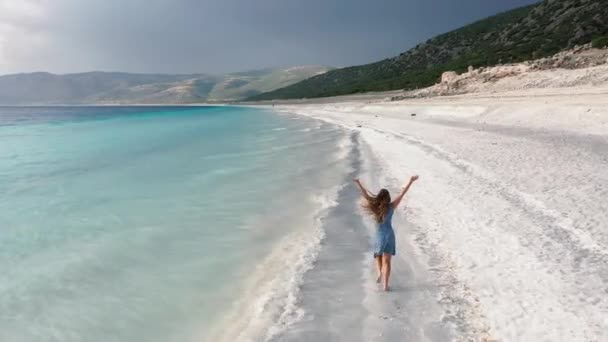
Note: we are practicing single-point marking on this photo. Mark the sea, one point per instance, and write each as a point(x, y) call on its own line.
point(151, 223)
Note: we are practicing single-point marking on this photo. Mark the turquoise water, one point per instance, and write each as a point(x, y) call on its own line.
point(150, 223)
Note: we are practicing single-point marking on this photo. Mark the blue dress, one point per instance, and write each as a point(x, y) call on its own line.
point(385, 236)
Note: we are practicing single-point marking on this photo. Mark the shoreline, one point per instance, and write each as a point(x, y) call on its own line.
point(268, 307)
point(339, 297)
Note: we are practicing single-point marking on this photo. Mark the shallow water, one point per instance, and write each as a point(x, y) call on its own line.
point(147, 223)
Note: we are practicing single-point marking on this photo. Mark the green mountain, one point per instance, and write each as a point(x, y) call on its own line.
point(123, 88)
point(525, 33)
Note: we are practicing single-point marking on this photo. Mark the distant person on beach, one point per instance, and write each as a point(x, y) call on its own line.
point(382, 209)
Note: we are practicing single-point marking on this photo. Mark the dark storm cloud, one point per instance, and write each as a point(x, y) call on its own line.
point(217, 36)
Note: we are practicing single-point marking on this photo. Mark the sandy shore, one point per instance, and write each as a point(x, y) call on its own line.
point(504, 237)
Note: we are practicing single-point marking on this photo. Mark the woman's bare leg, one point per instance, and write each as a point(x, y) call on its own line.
point(379, 268)
point(386, 269)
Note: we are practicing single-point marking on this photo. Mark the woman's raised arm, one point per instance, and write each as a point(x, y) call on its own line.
point(397, 200)
point(364, 191)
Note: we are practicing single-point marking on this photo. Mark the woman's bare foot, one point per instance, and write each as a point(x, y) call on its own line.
point(386, 288)
point(379, 279)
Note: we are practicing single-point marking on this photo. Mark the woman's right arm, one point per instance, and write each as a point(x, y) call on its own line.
point(364, 191)
point(397, 200)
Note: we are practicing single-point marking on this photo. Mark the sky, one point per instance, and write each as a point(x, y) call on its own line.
point(220, 36)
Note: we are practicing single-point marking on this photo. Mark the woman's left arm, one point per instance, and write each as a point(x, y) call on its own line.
point(397, 200)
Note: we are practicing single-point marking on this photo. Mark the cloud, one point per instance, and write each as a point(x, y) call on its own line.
point(23, 36)
point(217, 36)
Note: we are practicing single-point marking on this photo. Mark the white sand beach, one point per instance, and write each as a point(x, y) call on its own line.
point(503, 238)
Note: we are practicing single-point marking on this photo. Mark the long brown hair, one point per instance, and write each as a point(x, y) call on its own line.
point(378, 205)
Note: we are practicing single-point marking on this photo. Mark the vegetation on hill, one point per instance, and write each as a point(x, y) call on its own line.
point(525, 33)
point(600, 42)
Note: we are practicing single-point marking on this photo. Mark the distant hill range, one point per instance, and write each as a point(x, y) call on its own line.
point(113, 87)
point(525, 33)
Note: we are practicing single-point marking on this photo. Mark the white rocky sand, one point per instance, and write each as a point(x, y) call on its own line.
point(505, 237)
point(582, 66)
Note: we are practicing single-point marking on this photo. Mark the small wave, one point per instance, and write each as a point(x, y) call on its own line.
point(345, 147)
point(270, 304)
point(279, 129)
point(304, 262)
